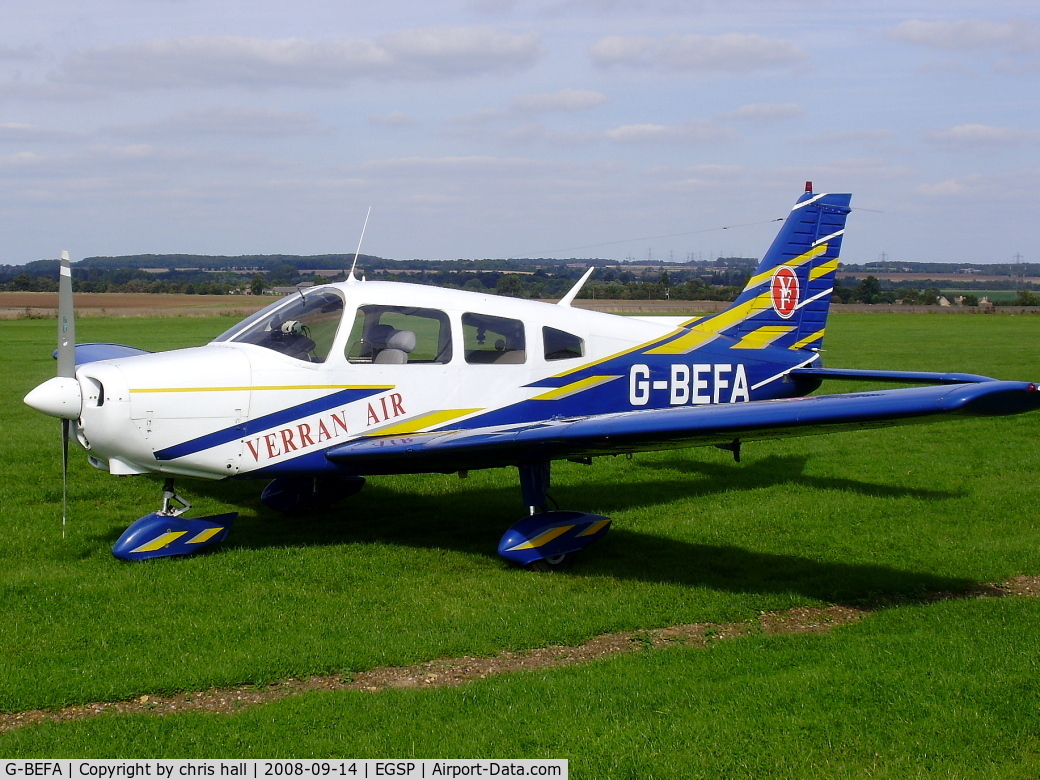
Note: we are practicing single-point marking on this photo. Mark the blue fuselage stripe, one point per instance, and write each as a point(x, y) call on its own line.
point(281, 417)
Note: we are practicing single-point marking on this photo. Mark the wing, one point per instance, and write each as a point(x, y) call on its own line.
point(94, 351)
point(678, 427)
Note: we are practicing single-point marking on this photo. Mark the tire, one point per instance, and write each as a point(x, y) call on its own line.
point(552, 563)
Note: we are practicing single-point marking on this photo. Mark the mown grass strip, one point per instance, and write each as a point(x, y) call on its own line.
point(456, 671)
point(946, 689)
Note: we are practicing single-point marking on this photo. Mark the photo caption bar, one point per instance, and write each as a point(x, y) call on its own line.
point(261, 769)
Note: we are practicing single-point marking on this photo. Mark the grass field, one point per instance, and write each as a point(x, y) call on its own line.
point(406, 572)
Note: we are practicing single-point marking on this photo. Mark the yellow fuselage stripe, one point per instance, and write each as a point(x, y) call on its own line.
point(427, 420)
point(802, 259)
point(823, 269)
point(808, 340)
point(763, 337)
point(574, 387)
point(715, 325)
point(685, 343)
point(256, 387)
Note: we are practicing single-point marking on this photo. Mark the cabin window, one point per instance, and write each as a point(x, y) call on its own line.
point(399, 334)
point(560, 345)
point(489, 339)
point(303, 326)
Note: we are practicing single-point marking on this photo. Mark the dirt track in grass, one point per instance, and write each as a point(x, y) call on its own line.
point(455, 671)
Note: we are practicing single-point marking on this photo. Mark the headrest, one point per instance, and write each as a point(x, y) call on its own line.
point(378, 334)
point(403, 340)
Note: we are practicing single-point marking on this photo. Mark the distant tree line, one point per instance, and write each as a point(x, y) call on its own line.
point(945, 270)
point(721, 279)
point(872, 290)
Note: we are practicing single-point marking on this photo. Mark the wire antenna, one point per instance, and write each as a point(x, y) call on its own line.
point(351, 277)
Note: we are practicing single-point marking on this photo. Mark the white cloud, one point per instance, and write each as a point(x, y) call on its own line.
point(42, 91)
point(697, 131)
point(216, 61)
point(728, 53)
point(453, 165)
point(841, 137)
point(17, 132)
point(763, 113)
point(948, 188)
point(393, 119)
point(19, 160)
point(564, 100)
point(1017, 187)
point(1014, 37)
point(481, 117)
point(450, 51)
point(977, 136)
point(227, 120)
point(492, 7)
point(538, 133)
point(19, 53)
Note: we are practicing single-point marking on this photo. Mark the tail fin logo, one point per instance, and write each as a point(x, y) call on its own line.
point(784, 291)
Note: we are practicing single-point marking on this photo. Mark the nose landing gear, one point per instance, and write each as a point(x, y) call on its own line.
point(166, 532)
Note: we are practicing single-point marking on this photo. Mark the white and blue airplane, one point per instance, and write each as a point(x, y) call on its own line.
point(344, 381)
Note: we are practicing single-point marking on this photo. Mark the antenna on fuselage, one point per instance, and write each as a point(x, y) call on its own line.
point(351, 277)
point(566, 299)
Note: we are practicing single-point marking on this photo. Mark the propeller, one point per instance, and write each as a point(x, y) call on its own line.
point(66, 369)
point(60, 396)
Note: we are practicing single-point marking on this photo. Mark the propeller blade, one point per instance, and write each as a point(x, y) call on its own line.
point(66, 321)
point(65, 425)
point(66, 369)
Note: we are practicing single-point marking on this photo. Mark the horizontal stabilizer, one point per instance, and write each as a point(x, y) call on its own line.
point(910, 377)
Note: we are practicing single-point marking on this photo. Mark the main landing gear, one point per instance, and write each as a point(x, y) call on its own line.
point(547, 540)
point(166, 532)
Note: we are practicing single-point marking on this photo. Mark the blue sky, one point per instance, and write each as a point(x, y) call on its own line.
point(492, 128)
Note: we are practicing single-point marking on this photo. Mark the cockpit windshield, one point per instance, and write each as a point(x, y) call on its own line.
point(303, 326)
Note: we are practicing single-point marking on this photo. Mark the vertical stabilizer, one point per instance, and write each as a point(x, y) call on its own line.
point(786, 301)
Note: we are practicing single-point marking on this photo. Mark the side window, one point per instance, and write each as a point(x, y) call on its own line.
point(561, 345)
point(490, 339)
point(399, 334)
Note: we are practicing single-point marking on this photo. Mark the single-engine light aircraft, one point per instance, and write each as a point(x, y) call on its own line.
point(344, 381)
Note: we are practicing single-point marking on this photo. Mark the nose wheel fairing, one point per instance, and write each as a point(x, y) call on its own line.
point(158, 535)
point(166, 532)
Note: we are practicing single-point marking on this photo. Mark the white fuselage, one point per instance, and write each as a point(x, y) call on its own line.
point(234, 407)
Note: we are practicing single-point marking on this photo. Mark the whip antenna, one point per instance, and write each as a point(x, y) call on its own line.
point(351, 277)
